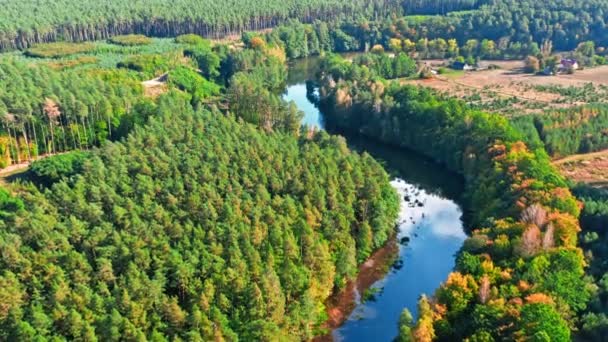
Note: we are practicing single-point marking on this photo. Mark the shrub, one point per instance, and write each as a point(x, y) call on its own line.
point(191, 39)
point(150, 65)
point(50, 170)
point(190, 81)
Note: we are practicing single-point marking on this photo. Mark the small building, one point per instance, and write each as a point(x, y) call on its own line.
point(567, 64)
point(462, 66)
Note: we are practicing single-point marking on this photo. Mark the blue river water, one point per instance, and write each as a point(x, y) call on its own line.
point(430, 217)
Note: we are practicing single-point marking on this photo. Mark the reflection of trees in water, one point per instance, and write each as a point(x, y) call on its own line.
point(409, 165)
point(312, 95)
point(416, 169)
point(399, 162)
point(302, 70)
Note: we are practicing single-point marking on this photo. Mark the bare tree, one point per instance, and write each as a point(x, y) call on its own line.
point(546, 48)
point(531, 241)
point(534, 214)
point(484, 289)
point(22, 119)
point(31, 120)
point(549, 237)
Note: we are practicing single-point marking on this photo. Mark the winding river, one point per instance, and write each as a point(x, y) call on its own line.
point(430, 228)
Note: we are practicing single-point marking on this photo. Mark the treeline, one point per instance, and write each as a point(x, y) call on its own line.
point(506, 29)
point(195, 227)
point(370, 65)
point(594, 221)
point(520, 274)
point(440, 6)
point(23, 24)
point(568, 131)
point(565, 23)
point(396, 35)
point(47, 111)
point(512, 28)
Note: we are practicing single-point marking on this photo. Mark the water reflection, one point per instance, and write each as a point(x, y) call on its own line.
point(298, 93)
point(439, 214)
point(430, 218)
point(435, 231)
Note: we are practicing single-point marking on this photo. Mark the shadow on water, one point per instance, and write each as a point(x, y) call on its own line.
point(411, 166)
point(399, 162)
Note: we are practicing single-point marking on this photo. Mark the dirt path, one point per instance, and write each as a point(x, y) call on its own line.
point(155, 82)
point(581, 157)
point(156, 86)
point(12, 169)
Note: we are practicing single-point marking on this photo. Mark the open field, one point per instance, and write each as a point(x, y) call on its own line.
point(590, 168)
point(508, 90)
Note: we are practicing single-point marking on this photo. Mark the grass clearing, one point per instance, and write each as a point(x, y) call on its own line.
point(92, 55)
point(588, 168)
point(131, 40)
point(58, 50)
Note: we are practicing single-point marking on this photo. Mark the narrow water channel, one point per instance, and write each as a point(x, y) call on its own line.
point(430, 227)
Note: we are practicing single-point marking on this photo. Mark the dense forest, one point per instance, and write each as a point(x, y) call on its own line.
point(22, 25)
point(520, 274)
point(494, 29)
point(396, 35)
point(566, 23)
point(470, 34)
point(568, 131)
point(58, 105)
point(204, 211)
point(594, 220)
point(195, 226)
point(47, 111)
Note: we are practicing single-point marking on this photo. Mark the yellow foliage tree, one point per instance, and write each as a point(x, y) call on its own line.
point(258, 43)
point(424, 331)
point(395, 45)
point(566, 229)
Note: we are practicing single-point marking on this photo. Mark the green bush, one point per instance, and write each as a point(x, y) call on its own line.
point(191, 39)
point(196, 85)
point(52, 169)
point(149, 65)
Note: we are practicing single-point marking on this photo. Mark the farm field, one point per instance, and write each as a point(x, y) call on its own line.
point(589, 168)
point(510, 91)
